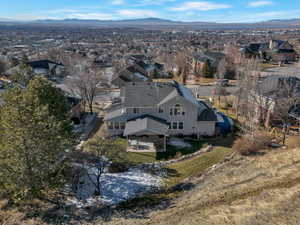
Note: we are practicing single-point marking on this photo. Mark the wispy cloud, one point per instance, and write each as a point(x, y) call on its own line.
point(260, 3)
point(118, 2)
point(137, 13)
point(200, 6)
point(153, 2)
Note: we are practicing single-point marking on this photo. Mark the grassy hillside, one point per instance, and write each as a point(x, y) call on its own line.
point(257, 190)
point(244, 191)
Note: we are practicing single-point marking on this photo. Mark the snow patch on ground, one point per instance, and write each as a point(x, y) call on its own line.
point(116, 187)
point(179, 143)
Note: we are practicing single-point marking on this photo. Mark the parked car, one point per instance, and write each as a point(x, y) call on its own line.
point(222, 82)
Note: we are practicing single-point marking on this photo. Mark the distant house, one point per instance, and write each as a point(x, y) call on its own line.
point(46, 68)
point(255, 50)
point(281, 51)
point(272, 96)
point(133, 73)
point(139, 71)
point(152, 70)
point(200, 59)
point(76, 110)
point(132, 59)
point(159, 109)
point(276, 51)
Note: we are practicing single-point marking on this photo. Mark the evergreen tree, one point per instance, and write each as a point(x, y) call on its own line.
point(208, 70)
point(34, 135)
point(23, 76)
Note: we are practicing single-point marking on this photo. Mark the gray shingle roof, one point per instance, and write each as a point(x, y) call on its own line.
point(42, 64)
point(207, 115)
point(148, 94)
point(145, 125)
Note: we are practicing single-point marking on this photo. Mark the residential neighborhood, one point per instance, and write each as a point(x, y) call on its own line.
point(148, 120)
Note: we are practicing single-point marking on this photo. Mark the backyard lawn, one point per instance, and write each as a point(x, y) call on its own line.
point(197, 165)
point(140, 157)
point(173, 151)
point(220, 143)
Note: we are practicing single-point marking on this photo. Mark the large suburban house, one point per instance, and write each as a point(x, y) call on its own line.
point(46, 68)
point(276, 51)
point(133, 73)
point(139, 70)
point(278, 97)
point(159, 109)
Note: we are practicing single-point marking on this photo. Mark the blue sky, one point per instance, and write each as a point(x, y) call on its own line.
point(183, 10)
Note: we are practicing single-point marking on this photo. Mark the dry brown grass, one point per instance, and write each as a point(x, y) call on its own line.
point(248, 145)
point(259, 190)
point(293, 142)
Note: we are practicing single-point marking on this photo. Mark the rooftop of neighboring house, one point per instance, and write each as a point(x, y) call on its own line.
point(131, 74)
point(255, 47)
point(214, 57)
point(42, 64)
point(279, 86)
point(275, 45)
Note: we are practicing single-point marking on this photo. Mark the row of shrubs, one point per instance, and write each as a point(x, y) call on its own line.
point(252, 144)
point(249, 144)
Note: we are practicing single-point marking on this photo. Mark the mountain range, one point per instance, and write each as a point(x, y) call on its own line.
point(157, 22)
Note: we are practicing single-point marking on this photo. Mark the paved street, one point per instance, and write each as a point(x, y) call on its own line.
point(207, 91)
point(287, 70)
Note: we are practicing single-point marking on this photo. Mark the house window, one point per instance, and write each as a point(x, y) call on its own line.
point(117, 125)
point(122, 126)
point(110, 125)
point(180, 126)
point(136, 110)
point(160, 110)
point(170, 126)
point(177, 110)
point(175, 126)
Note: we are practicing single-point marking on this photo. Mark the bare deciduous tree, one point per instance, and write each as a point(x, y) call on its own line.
point(246, 97)
point(87, 82)
point(183, 64)
point(222, 69)
point(104, 151)
point(285, 99)
point(119, 65)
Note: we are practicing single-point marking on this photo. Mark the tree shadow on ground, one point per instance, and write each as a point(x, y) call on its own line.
point(223, 141)
point(172, 151)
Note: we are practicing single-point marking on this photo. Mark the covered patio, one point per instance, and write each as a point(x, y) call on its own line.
point(147, 134)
